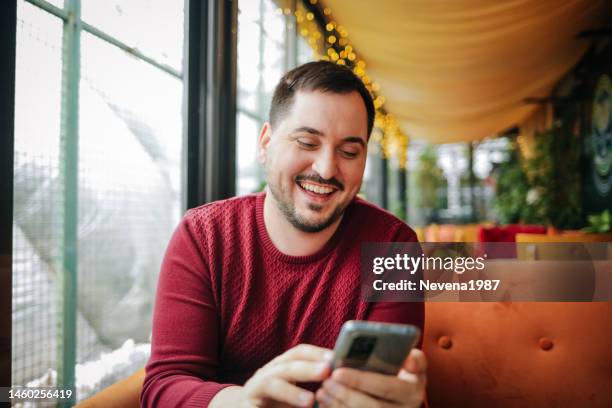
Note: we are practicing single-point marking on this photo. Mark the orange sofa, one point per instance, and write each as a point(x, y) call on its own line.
point(519, 354)
point(498, 354)
point(494, 355)
point(122, 394)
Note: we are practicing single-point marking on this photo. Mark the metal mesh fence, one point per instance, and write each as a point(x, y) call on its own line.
point(129, 162)
point(36, 194)
point(129, 187)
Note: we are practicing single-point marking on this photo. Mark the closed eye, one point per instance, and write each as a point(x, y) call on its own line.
point(349, 155)
point(306, 145)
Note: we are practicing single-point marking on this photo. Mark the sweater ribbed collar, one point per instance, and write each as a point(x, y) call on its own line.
point(276, 254)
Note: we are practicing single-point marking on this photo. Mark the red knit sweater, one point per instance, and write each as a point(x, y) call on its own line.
point(228, 301)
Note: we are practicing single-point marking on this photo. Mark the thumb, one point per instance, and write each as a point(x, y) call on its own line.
point(416, 363)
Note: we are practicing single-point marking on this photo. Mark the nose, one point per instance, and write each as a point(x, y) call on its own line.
point(325, 164)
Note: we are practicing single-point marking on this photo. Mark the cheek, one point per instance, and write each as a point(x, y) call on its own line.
point(298, 160)
point(353, 174)
point(289, 163)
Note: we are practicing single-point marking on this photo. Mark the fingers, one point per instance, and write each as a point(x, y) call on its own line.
point(267, 387)
point(272, 382)
point(304, 352)
point(420, 381)
point(298, 371)
point(333, 394)
point(325, 400)
point(416, 362)
point(415, 370)
point(404, 388)
point(278, 390)
point(379, 385)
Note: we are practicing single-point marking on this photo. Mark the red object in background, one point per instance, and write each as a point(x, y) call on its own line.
point(506, 233)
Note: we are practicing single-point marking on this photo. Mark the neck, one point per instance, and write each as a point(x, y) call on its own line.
point(288, 239)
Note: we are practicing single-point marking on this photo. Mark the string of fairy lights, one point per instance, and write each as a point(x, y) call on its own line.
point(332, 43)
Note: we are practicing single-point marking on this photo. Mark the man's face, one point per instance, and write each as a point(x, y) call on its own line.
point(315, 157)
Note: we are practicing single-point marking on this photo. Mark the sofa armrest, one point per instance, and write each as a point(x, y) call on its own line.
point(122, 394)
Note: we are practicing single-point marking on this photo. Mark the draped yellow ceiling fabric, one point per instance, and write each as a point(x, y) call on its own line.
point(460, 70)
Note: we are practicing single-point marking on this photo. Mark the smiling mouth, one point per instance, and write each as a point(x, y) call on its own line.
point(317, 189)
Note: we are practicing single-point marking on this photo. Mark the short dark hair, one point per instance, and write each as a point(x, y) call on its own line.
point(318, 76)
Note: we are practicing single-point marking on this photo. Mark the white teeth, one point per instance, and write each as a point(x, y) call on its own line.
point(316, 189)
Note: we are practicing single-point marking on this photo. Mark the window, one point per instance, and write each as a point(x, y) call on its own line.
point(126, 197)
point(268, 46)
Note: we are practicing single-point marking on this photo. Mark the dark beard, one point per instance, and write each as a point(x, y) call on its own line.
point(288, 210)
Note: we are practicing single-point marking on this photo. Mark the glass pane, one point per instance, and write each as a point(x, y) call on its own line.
point(249, 52)
point(249, 10)
point(454, 162)
point(310, 40)
point(273, 21)
point(36, 228)
point(262, 60)
point(304, 52)
point(250, 174)
point(154, 27)
point(273, 67)
point(129, 203)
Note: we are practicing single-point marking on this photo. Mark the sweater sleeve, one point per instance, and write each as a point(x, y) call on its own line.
point(184, 346)
point(400, 312)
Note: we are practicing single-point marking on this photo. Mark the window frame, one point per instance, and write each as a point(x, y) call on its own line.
point(8, 44)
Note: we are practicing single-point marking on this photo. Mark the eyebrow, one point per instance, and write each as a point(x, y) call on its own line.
point(313, 131)
point(308, 129)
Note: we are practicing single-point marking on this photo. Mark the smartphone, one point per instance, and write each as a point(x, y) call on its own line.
point(373, 346)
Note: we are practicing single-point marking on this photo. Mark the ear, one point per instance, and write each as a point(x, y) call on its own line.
point(264, 142)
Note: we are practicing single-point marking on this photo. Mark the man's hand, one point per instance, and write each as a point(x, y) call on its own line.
point(272, 385)
point(354, 388)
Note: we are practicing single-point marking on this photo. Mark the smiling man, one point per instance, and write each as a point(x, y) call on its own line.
point(253, 290)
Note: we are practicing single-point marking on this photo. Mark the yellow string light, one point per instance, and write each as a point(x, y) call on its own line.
point(389, 139)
